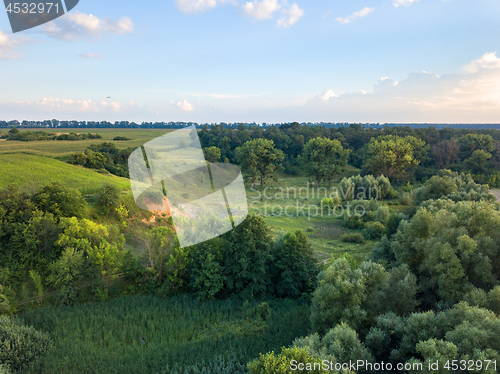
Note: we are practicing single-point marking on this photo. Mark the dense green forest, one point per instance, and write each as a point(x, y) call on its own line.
point(94, 284)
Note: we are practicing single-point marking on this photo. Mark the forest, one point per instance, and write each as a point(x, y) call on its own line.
point(90, 283)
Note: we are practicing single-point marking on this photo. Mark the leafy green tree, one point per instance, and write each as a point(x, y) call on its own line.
point(108, 199)
point(338, 298)
point(283, 363)
point(60, 200)
point(66, 273)
point(4, 302)
point(259, 157)
point(293, 270)
point(160, 243)
point(246, 258)
point(451, 247)
point(472, 142)
point(392, 155)
point(476, 162)
point(32, 244)
point(212, 154)
point(21, 345)
point(435, 188)
point(325, 158)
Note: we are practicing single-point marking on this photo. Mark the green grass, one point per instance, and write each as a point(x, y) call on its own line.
point(36, 171)
point(58, 148)
point(143, 334)
point(324, 232)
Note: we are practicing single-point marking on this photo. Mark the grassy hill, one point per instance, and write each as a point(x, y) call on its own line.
point(32, 170)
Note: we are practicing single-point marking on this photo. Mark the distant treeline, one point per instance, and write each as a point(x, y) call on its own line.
point(30, 136)
point(176, 125)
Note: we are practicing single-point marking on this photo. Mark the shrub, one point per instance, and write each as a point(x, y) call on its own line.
point(353, 238)
point(119, 138)
point(373, 230)
point(21, 345)
point(382, 214)
point(281, 364)
point(406, 199)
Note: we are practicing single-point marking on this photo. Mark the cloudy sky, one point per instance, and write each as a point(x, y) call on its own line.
point(260, 60)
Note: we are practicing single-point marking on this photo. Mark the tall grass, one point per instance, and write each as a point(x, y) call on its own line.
point(145, 334)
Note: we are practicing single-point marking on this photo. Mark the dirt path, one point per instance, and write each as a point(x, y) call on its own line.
point(496, 193)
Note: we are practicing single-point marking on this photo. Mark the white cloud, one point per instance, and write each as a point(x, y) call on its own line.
point(195, 6)
point(79, 25)
point(470, 96)
point(359, 14)
point(90, 55)
point(397, 3)
point(9, 46)
point(183, 105)
point(325, 95)
point(261, 9)
point(292, 15)
point(488, 61)
point(71, 105)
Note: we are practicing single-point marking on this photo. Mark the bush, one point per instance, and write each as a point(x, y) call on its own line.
point(119, 138)
point(373, 230)
point(382, 215)
point(108, 199)
point(353, 221)
point(21, 345)
point(353, 238)
point(406, 199)
point(281, 364)
point(60, 200)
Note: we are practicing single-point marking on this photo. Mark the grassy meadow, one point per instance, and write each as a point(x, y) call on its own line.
point(31, 171)
point(324, 232)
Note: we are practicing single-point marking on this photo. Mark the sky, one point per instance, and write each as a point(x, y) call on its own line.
point(273, 61)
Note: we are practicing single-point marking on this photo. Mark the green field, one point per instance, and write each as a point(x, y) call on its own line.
point(145, 334)
point(65, 147)
point(33, 171)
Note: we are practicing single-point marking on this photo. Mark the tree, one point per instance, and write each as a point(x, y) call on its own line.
point(212, 154)
point(451, 247)
point(66, 273)
point(476, 162)
point(108, 199)
point(159, 243)
point(259, 157)
point(60, 200)
point(392, 155)
point(4, 302)
point(293, 270)
point(21, 345)
point(246, 256)
point(446, 152)
point(287, 363)
point(325, 158)
point(473, 142)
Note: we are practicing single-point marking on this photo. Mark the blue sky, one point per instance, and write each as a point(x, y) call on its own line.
point(260, 60)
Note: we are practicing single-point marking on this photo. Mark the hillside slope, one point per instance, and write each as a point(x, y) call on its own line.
point(32, 170)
